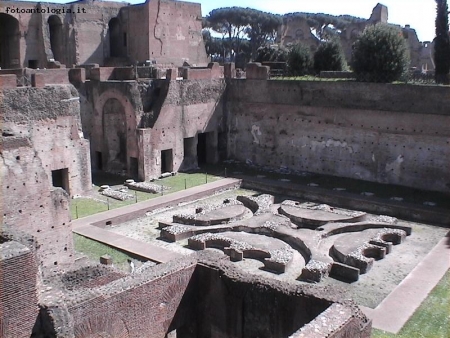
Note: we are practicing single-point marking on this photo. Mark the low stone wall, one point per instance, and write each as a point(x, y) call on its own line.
point(8, 81)
point(112, 73)
point(213, 71)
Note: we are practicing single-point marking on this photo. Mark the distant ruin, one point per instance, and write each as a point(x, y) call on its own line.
point(94, 91)
point(295, 28)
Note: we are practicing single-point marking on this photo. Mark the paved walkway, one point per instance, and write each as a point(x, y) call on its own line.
point(91, 226)
point(395, 310)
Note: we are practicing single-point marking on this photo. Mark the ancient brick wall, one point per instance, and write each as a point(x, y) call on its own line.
point(163, 113)
point(102, 32)
point(393, 134)
point(44, 159)
point(18, 293)
point(175, 33)
point(232, 303)
point(138, 306)
point(91, 30)
point(111, 117)
point(189, 108)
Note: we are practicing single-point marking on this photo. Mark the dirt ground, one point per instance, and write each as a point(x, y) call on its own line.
point(369, 291)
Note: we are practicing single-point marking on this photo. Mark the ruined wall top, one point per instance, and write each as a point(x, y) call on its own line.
point(379, 14)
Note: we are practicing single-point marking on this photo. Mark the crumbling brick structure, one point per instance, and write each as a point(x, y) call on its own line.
point(197, 296)
point(45, 159)
point(18, 284)
point(38, 35)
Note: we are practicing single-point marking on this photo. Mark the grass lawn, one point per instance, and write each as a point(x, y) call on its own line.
point(93, 250)
point(82, 207)
point(432, 318)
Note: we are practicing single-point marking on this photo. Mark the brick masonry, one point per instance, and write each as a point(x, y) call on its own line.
point(18, 290)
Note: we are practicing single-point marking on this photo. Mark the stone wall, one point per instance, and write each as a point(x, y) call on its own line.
point(134, 122)
point(197, 296)
point(393, 134)
point(145, 308)
point(45, 159)
point(18, 290)
point(190, 107)
point(56, 35)
point(232, 303)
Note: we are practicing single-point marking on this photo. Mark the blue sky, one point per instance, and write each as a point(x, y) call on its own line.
point(420, 14)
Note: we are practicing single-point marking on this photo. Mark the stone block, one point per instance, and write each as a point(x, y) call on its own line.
point(8, 81)
point(255, 71)
point(38, 80)
point(343, 271)
point(106, 260)
point(229, 70)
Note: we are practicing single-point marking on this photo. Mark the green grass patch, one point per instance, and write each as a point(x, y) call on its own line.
point(432, 318)
point(82, 207)
point(93, 250)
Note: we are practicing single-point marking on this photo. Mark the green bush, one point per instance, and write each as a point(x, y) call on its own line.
point(271, 54)
point(299, 60)
point(329, 56)
point(380, 54)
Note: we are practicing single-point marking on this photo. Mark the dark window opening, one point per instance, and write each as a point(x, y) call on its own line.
point(60, 179)
point(33, 64)
point(166, 161)
point(201, 148)
point(124, 39)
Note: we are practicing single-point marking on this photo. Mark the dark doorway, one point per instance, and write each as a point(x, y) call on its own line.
point(9, 42)
point(201, 149)
point(33, 64)
point(56, 37)
point(166, 161)
point(60, 179)
point(99, 159)
point(134, 168)
point(115, 38)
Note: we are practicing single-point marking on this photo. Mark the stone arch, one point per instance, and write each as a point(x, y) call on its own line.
point(115, 38)
point(56, 37)
point(119, 104)
point(101, 326)
point(9, 42)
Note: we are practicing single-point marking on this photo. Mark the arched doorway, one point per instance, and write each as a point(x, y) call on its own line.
point(56, 37)
point(9, 42)
point(115, 135)
point(115, 38)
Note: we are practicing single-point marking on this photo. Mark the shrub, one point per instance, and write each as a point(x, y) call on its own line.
point(380, 54)
point(272, 54)
point(298, 60)
point(329, 56)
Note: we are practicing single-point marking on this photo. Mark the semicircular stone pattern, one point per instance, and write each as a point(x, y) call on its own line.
point(313, 215)
point(331, 241)
point(274, 253)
